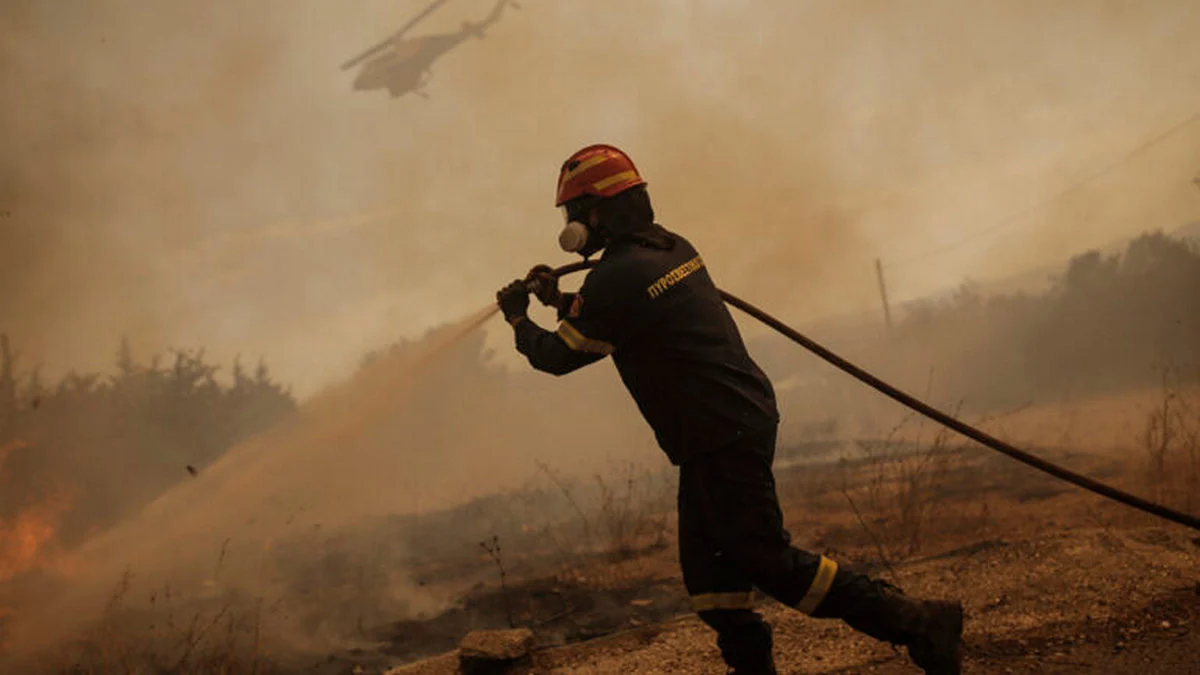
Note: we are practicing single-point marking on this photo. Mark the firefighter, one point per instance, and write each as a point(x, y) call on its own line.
point(651, 304)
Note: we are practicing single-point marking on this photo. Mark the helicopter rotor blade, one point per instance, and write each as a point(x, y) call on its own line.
point(395, 36)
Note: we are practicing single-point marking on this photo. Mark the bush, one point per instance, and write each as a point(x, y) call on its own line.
point(1102, 326)
point(111, 443)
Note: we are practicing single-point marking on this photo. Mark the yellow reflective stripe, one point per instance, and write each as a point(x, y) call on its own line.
point(614, 179)
point(820, 586)
point(708, 602)
point(580, 342)
point(584, 166)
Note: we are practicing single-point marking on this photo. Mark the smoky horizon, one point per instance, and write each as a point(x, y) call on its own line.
point(206, 177)
point(247, 345)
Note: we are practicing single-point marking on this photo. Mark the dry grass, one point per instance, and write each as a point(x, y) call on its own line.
point(618, 517)
point(224, 638)
point(633, 511)
point(897, 488)
point(1170, 443)
point(910, 494)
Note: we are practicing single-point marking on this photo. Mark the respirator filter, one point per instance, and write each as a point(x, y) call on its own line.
point(574, 237)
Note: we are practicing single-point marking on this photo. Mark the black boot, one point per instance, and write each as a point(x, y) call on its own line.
point(938, 649)
point(744, 640)
point(769, 669)
point(931, 630)
point(766, 667)
point(747, 657)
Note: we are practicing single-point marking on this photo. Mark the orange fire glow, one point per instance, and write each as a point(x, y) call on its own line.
point(27, 540)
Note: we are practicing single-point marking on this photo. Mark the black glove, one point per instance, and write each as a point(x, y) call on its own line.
point(544, 285)
point(513, 300)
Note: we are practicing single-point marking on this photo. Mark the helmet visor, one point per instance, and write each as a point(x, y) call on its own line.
point(577, 210)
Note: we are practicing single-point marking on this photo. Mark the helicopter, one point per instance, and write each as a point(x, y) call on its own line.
point(404, 66)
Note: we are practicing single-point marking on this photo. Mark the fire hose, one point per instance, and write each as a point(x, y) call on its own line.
point(919, 406)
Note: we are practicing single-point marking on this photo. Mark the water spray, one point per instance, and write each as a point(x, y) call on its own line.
point(917, 405)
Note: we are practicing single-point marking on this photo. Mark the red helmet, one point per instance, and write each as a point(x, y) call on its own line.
point(598, 171)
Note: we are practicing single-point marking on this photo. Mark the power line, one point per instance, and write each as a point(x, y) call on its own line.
point(1017, 218)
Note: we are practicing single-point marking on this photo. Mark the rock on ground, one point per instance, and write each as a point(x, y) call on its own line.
point(483, 652)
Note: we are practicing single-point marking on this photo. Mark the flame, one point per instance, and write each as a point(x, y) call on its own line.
point(27, 540)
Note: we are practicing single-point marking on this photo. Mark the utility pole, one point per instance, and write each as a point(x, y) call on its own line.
point(887, 312)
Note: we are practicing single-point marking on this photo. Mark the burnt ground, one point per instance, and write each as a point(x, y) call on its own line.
point(1033, 607)
point(559, 611)
point(1053, 580)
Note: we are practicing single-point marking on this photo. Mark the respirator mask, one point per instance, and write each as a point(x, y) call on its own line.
point(577, 237)
point(574, 236)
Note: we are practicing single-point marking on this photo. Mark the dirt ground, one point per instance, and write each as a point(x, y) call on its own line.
point(1032, 606)
point(1097, 600)
point(1054, 580)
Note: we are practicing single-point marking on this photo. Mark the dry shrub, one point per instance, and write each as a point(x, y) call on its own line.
point(634, 511)
point(623, 513)
point(223, 637)
point(1171, 442)
point(900, 487)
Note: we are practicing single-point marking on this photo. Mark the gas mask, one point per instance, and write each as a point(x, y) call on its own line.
point(576, 236)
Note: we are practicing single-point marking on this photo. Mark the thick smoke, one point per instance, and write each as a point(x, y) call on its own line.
point(425, 427)
point(202, 175)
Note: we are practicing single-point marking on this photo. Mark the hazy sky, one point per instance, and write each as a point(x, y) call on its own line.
point(201, 174)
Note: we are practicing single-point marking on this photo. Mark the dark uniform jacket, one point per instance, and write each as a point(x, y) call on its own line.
point(675, 345)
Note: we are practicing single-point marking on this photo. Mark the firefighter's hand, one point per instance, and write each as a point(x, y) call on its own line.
point(544, 284)
point(513, 300)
